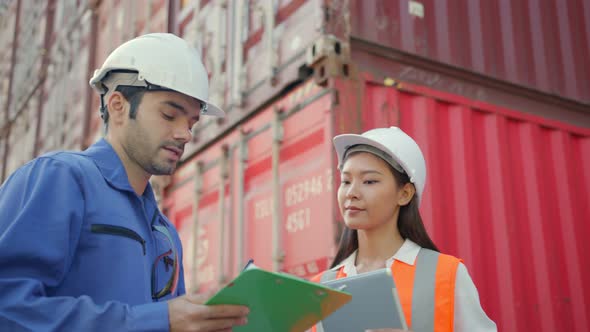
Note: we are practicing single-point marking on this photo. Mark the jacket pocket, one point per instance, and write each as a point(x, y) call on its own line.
point(118, 231)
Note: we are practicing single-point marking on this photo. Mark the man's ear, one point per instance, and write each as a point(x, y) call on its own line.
point(406, 193)
point(118, 107)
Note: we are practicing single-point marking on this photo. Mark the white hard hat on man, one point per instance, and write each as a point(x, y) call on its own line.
point(157, 61)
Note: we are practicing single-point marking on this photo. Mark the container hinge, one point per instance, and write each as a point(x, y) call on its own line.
point(329, 57)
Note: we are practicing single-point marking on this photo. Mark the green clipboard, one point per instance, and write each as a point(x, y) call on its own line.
point(279, 302)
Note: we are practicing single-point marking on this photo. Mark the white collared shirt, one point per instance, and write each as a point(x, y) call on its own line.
point(469, 315)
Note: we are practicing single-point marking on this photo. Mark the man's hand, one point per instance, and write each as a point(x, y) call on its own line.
point(188, 313)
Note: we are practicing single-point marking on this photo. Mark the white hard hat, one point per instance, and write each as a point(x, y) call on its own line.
point(162, 60)
point(396, 144)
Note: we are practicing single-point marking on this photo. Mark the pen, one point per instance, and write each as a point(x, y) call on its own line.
point(250, 261)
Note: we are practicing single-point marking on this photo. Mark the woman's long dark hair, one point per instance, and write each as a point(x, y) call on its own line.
point(409, 224)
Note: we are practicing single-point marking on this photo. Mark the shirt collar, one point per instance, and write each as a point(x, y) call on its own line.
point(111, 167)
point(407, 254)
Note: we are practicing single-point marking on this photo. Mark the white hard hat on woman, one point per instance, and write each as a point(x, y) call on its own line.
point(394, 146)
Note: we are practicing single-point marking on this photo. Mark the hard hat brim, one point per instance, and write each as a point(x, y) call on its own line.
point(96, 84)
point(395, 143)
point(213, 110)
point(343, 142)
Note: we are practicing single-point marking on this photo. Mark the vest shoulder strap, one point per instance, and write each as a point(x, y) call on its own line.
point(433, 298)
point(423, 300)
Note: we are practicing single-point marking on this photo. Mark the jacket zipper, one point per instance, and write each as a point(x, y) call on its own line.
point(118, 230)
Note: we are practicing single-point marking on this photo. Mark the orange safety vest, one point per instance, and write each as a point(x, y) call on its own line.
point(426, 290)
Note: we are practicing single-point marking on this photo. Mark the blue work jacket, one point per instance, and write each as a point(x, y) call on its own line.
point(77, 247)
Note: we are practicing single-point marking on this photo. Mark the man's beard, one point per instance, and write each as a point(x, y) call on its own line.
point(139, 148)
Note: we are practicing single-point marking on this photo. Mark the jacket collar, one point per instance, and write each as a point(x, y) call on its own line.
point(111, 167)
point(407, 254)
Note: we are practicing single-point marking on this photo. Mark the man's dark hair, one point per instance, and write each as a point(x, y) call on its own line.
point(133, 94)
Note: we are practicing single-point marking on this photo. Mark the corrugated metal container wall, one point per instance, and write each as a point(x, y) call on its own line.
point(143, 13)
point(506, 191)
point(205, 27)
point(22, 134)
point(62, 122)
point(543, 45)
point(54, 105)
point(114, 27)
point(240, 171)
point(295, 25)
point(123, 20)
point(113, 23)
point(120, 21)
point(252, 49)
point(29, 56)
point(7, 25)
point(158, 16)
point(26, 77)
point(76, 105)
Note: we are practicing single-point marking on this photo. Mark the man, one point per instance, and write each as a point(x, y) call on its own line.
point(83, 245)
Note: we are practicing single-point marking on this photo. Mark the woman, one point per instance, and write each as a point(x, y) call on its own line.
point(383, 174)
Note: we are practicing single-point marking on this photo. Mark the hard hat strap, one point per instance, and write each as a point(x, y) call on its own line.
point(103, 107)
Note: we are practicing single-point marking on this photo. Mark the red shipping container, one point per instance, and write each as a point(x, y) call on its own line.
point(543, 45)
point(7, 26)
point(506, 191)
point(26, 78)
point(252, 49)
point(65, 108)
point(119, 21)
point(22, 135)
point(495, 93)
point(303, 195)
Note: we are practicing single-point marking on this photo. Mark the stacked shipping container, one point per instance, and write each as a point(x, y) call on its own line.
point(494, 195)
point(7, 26)
point(239, 193)
point(25, 80)
point(65, 104)
point(116, 22)
point(494, 92)
point(507, 192)
point(537, 44)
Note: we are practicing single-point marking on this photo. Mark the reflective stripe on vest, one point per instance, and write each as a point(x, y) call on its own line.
point(426, 290)
point(423, 294)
